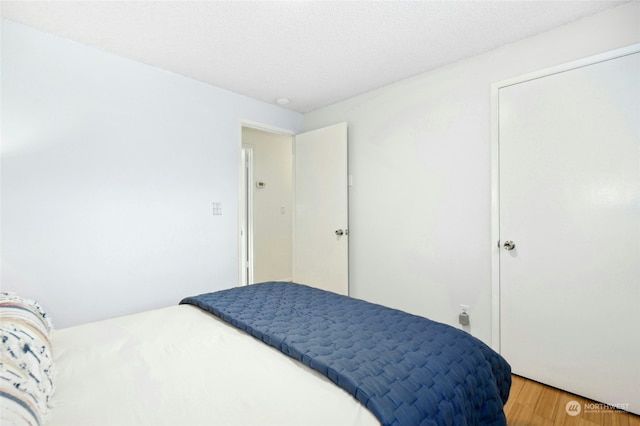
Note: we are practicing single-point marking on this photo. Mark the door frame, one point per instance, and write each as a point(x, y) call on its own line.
point(246, 215)
point(241, 201)
point(495, 166)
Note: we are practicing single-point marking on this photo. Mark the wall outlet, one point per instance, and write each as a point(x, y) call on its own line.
point(463, 318)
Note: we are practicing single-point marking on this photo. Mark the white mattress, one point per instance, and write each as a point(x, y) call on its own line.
point(181, 366)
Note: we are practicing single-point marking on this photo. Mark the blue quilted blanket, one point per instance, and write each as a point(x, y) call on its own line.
point(407, 370)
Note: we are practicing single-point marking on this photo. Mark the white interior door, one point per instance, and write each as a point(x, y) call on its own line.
point(569, 200)
point(321, 243)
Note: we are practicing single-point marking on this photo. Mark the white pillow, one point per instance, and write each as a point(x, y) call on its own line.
point(26, 361)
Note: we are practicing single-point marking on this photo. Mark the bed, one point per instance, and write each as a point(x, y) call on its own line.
point(267, 354)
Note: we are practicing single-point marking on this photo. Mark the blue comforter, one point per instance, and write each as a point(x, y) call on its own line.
point(407, 370)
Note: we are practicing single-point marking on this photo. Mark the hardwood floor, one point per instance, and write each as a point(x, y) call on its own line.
point(531, 404)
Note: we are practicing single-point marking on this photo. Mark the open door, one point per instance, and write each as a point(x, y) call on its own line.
point(321, 243)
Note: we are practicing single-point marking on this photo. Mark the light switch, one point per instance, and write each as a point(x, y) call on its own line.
point(217, 208)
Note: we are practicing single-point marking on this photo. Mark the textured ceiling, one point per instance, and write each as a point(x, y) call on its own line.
point(313, 52)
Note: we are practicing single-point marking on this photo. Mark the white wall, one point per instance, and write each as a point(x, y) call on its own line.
point(420, 207)
point(272, 226)
point(109, 168)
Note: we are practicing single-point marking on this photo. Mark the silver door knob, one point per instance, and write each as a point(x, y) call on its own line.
point(509, 245)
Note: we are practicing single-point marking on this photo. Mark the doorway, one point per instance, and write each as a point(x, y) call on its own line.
point(297, 227)
point(266, 205)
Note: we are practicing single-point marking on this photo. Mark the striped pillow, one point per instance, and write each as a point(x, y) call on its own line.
point(26, 361)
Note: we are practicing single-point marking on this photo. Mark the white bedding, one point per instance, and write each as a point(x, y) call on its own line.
point(182, 366)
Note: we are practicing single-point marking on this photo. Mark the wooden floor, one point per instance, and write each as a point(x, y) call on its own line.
point(532, 403)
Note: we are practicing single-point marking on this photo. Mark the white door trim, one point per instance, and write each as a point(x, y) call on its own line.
point(266, 127)
point(495, 174)
point(246, 216)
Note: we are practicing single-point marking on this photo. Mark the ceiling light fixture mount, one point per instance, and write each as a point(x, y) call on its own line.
point(282, 101)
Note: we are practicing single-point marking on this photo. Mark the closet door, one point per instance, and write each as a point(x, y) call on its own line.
point(569, 225)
